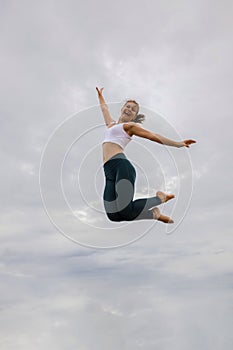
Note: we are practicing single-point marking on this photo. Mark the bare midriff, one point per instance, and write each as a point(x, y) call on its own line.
point(110, 149)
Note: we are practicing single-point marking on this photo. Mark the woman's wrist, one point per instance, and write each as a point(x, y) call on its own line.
point(179, 144)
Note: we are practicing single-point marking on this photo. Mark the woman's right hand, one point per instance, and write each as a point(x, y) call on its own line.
point(186, 143)
point(99, 91)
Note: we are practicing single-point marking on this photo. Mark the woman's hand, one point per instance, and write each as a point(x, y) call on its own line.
point(186, 143)
point(99, 91)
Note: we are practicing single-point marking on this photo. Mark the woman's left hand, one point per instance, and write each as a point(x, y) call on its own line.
point(186, 143)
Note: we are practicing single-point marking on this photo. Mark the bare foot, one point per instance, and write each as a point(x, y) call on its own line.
point(160, 217)
point(164, 197)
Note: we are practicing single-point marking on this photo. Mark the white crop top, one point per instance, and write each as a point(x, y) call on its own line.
point(118, 135)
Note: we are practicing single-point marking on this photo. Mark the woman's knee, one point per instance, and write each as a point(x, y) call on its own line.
point(114, 217)
point(120, 217)
point(127, 215)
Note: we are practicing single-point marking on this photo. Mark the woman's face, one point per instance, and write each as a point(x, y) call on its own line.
point(129, 111)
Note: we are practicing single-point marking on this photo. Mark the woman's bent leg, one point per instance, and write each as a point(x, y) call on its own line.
point(127, 208)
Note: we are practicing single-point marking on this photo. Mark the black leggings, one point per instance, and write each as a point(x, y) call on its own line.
point(118, 193)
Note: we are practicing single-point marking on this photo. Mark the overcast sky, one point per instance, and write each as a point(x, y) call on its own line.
point(166, 289)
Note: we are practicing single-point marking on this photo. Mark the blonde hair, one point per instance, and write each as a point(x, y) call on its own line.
point(139, 117)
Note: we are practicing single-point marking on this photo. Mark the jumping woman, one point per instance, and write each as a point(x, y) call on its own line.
point(119, 172)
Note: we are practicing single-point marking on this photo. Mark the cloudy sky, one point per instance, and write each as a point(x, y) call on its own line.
point(71, 279)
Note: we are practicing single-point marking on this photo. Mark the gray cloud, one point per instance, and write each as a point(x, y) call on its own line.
point(175, 58)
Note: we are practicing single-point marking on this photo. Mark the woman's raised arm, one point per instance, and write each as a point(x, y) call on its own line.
point(139, 131)
point(104, 107)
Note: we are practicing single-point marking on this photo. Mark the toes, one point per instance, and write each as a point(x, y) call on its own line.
point(164, 197)
point(166, 219)
point(170, 196)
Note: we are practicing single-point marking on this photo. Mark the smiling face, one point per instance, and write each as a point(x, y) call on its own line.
point(128, 112)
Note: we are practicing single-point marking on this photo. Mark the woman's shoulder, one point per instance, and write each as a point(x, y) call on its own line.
point(128, 127)
point(111, 124)
point(130, 124)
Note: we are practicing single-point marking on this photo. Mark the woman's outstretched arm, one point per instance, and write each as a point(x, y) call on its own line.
point(139, 131)
point(104, 107)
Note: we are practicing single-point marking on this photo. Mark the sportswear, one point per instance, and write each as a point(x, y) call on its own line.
point(118, 135)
